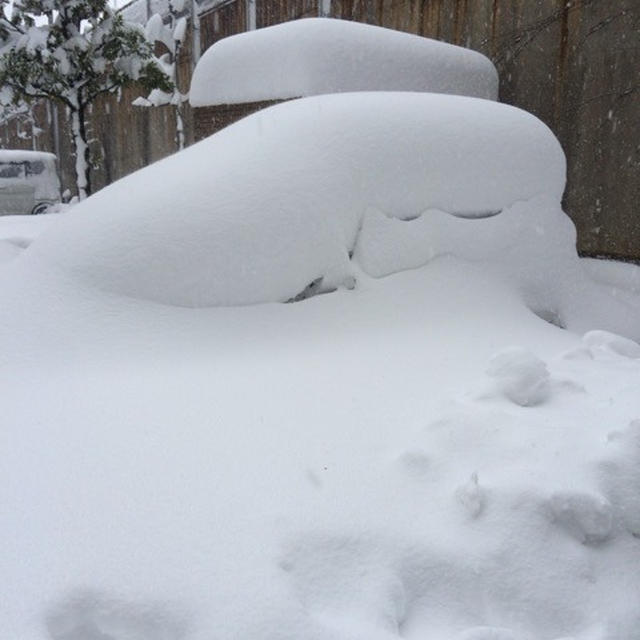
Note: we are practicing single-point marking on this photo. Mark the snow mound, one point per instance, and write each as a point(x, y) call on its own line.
point(275, 203)
point(320, 55)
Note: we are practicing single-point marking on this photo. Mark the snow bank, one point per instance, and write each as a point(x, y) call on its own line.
point(275, 202)
point(321, 55)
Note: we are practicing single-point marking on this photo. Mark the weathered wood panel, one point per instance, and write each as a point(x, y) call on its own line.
point(225, 20)
point(277, 11)
point(209, 120)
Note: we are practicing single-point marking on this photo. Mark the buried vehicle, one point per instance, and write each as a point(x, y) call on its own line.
point(29, 182)
point(339, 186)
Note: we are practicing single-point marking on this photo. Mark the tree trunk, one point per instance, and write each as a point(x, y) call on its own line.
point(81, 148)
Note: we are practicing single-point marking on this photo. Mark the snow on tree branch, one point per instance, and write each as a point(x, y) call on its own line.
point(172, 36)
point(77, 50)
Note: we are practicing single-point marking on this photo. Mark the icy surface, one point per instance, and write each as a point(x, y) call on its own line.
point(427, 455)
point(322, 55)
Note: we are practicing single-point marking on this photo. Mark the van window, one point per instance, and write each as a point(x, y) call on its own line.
point(34, 168)
point(11, 170)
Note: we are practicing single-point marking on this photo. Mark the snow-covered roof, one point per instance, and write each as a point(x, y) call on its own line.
point(323, 55)
point(20, 155)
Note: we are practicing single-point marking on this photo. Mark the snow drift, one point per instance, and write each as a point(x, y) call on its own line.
point(320, 55)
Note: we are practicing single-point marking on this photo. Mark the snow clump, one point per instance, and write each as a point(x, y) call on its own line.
point(520, 376)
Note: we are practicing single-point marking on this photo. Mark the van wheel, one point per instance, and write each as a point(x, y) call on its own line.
point(41, 207)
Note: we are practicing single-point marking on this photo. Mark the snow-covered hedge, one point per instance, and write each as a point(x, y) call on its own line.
point(320, 55)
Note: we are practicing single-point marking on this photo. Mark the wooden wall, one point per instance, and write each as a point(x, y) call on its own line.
point(573, 63)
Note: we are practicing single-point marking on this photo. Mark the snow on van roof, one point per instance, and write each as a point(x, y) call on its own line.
point(322, 55)
point(21, 155)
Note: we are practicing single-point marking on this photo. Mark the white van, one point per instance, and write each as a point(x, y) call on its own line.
point(29, 182)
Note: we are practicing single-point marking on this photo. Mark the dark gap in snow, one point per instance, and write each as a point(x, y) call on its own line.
point(465, 215)
point(551, 316)
point(474, 215)
point(312, 289)
point(609, 257)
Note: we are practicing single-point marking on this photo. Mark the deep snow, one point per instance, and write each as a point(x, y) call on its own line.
point(339, 468)
point(422, 456)
point(278, 202)
point(315, 56)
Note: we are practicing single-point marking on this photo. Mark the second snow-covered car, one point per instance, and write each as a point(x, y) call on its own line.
point(29, 182)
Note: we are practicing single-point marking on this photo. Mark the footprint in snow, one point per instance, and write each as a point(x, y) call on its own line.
point(586, 517)
point(471, 496)
point(415, 463)
point(91, 615)
point(339, 578)
point(604, 341)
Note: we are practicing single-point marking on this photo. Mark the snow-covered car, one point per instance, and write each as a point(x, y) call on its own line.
point(29, 182)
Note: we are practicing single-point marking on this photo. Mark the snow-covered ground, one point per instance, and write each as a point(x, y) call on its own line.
point(423, 453)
